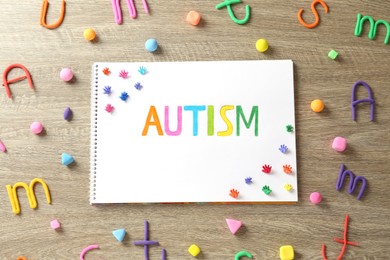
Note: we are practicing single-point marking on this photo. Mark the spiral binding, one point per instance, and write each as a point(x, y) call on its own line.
point(94, 135)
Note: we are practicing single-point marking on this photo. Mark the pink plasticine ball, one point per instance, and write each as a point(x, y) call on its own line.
point(36, 127)
point(315, 197)
point(339, 144)
point(55, 224)
point(66, 74)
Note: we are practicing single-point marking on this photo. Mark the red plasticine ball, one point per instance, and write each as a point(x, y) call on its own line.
point(315, 197)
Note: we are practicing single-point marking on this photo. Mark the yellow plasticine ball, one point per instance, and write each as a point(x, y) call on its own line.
point(261, 45)
point(89, 34)
point(286, 253)
point(317, 105)
point(194, 250)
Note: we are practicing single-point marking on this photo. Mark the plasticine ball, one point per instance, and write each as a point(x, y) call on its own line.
point(194, 250)
point(261, 45)
point(193, 17)
point(36, 127)
point(339, 144)
point(89, 34)
point(151, 45)
point(317, 105)
point(66, 74)
point(315, 197)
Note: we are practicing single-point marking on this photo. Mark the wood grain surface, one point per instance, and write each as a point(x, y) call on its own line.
point(267, 227)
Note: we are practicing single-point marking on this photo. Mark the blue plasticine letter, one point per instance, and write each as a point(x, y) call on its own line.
point(195, 110)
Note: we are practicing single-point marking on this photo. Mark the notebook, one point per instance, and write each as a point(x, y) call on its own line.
point(193, 132)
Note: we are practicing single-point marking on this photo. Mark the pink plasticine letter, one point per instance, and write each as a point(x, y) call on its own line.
point(179, 122)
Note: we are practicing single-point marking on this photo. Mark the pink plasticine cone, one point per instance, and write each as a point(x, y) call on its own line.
point(2, 147)
point(234, 225)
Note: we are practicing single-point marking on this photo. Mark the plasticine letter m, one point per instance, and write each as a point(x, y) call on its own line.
point(13, 195)
point(373, 27)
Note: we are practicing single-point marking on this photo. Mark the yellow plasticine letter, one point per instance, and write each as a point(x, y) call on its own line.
point(15, 208)
point(156, 122)
point(34, 204)
point(13, 195)
point(229, 125)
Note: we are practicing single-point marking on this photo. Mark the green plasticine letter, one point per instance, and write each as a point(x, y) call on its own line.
point(373, 27)
point(228, 3)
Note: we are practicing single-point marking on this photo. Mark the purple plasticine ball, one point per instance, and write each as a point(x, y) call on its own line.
point(66, 74)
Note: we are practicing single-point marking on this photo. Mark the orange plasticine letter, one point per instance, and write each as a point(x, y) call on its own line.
point(156, 122)
point(45, 6)
point(315, 12)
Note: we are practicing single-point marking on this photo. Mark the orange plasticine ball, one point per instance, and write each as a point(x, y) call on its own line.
point(89, 34)
point(193, 18)
point(317, 105)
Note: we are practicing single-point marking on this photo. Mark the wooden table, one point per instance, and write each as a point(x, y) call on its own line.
point(267, 227)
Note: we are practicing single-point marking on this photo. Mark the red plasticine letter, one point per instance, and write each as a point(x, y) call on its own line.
point(344, 241)
point(6, 82)
point(315, 12)
point(156, 122)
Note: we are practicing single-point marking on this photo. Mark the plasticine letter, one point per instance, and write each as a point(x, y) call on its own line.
point(229, 125)
point(156, 122)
